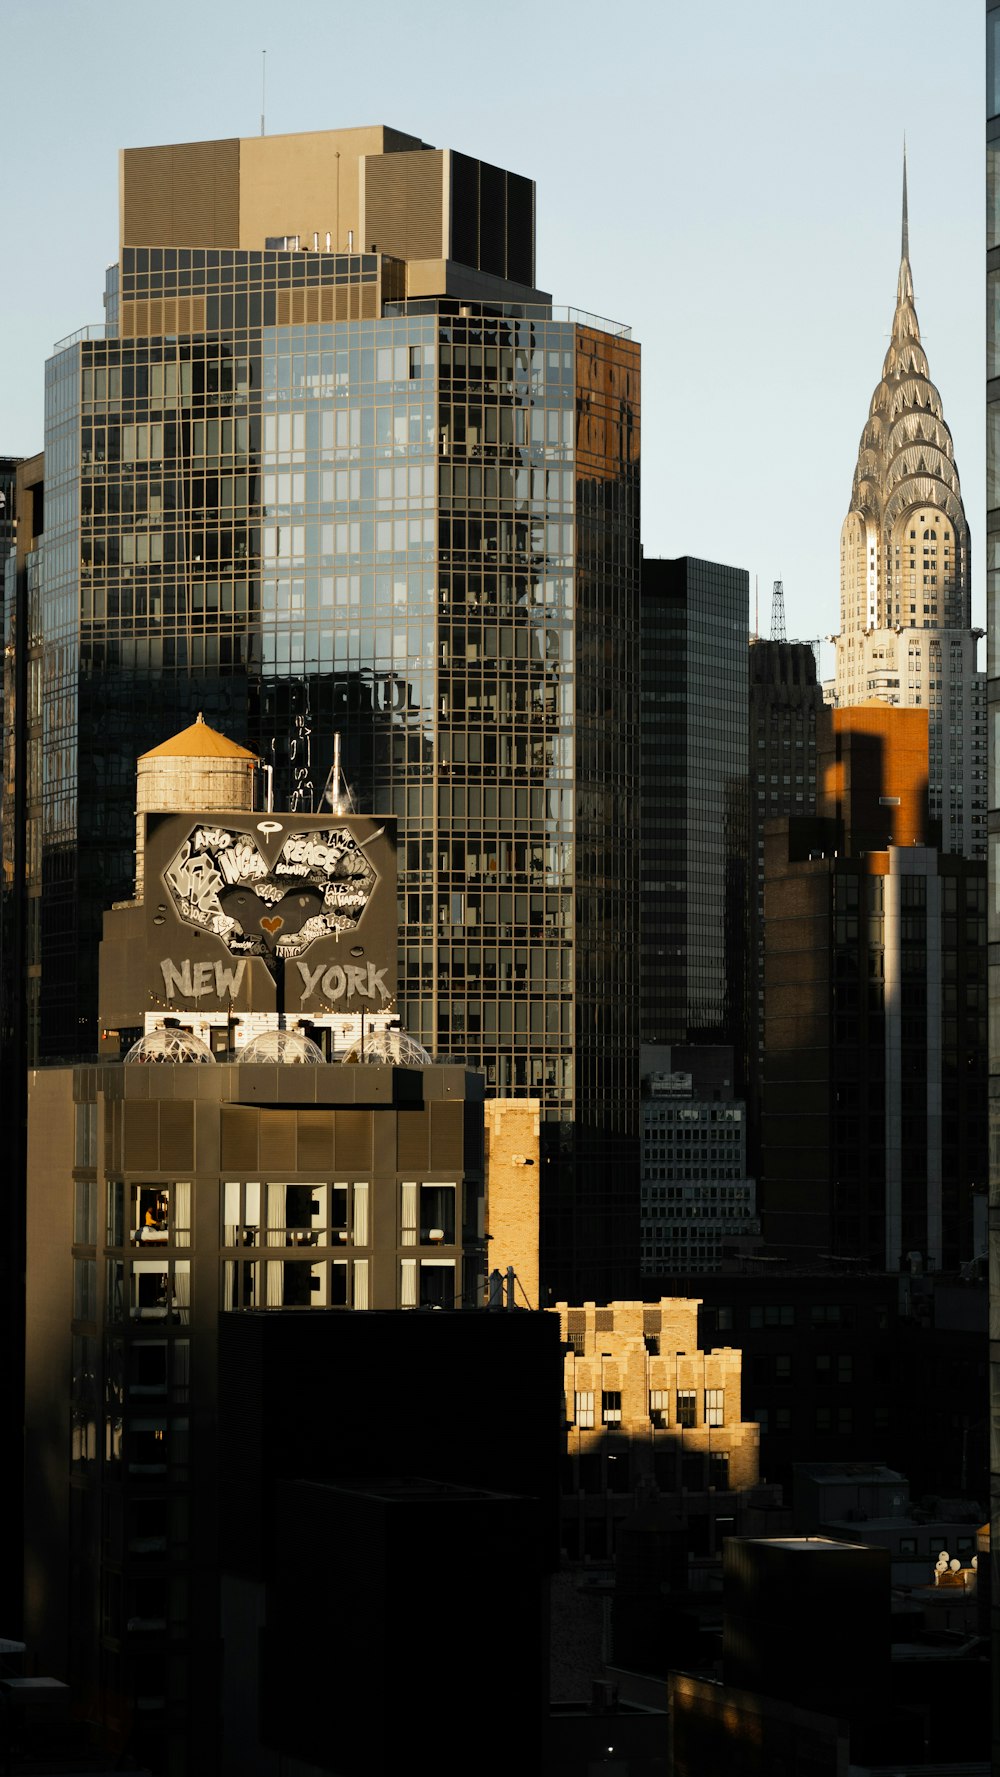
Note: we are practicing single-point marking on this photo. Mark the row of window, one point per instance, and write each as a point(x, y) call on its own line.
point(159, 1289)
point(264, 1214)
point(685, 1410)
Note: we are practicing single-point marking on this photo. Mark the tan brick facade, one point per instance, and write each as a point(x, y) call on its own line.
point(512, 1175)
point(645, 1405)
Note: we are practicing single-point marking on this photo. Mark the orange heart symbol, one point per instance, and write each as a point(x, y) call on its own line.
point(273, 924)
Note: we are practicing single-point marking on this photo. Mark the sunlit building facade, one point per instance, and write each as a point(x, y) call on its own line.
point(389, 493)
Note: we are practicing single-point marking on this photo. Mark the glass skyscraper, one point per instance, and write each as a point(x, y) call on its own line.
point(694, 894)
point(392, 494)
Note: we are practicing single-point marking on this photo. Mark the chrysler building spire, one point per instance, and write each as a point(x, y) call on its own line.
point(905, 246)
point(904, 554)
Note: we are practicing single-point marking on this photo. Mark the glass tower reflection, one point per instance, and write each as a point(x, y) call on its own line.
point(282, 494)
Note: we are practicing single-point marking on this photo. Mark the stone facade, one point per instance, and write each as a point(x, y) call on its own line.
point(648, 1413)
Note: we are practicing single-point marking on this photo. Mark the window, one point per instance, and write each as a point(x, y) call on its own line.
point(687, 1407)
point(295, 1283)
point(241, 1284)
point(437, 1283)
point(437, 1215)
point(86, 1135)
point(718, 1469)
point(296, 1215)
point(659, 1407)
point(583, 1409)
point(611, 1406)
point(85, 1224)
point(408, 1214)
point(84, 1289)
point(159, 1215)
point(715, 1406)
point(407, 1283)
point(773, 1315)
point(160, 1289)
point(240, 1213)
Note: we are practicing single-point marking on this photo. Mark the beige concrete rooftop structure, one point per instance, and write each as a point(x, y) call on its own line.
point(905, 615)
point(462, 226)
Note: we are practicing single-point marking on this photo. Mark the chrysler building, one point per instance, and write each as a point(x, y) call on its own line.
point(905, 620)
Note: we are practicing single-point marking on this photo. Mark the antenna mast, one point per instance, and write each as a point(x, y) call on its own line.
point(263, 86)
point(778, 633)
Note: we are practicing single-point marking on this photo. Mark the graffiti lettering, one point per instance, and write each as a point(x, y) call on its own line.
point(336, 982)
point(195, 982)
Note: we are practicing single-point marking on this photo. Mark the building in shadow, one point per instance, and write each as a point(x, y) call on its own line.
point(873, 1131)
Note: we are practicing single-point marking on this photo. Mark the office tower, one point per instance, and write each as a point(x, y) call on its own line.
point(333, 464)
point(18, 979)
point(696, 1204)
point(993, 691)
point(873, 1130)
point(693, 727)
point(786, 700)
point(905, 577)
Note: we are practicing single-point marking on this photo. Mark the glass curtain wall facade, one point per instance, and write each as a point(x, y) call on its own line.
point(694, 740)
point(279, 494)
point(993, 864)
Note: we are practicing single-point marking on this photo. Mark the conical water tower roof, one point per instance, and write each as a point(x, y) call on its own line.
point(199, 742)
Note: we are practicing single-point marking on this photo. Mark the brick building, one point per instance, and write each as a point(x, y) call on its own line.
point(646, 1409)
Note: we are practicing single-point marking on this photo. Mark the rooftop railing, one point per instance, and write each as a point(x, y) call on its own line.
point(96, 330)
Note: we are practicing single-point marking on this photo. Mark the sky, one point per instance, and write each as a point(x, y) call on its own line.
point(724, 178)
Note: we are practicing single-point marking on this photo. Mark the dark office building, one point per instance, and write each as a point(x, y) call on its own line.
point(693, 723)
point(332, 463)
point(819, 1675)
point(18, 979)
point(853, 1364)
point(354, 1587)
point(993, 697)
point(786, 701)
point(873, 1130)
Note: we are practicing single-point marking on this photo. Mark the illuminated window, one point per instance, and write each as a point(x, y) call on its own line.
point(715, 1404)
point(659, 1407)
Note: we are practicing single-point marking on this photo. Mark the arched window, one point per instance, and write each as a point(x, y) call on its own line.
point(930, 535)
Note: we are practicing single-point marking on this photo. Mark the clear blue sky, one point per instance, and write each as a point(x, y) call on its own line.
point(725, 177)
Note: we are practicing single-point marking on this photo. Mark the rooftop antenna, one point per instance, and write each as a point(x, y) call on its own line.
point(778, 612)
point(337, 791)
point(263, 86)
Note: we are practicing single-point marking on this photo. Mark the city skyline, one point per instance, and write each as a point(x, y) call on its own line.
point(794, 271)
